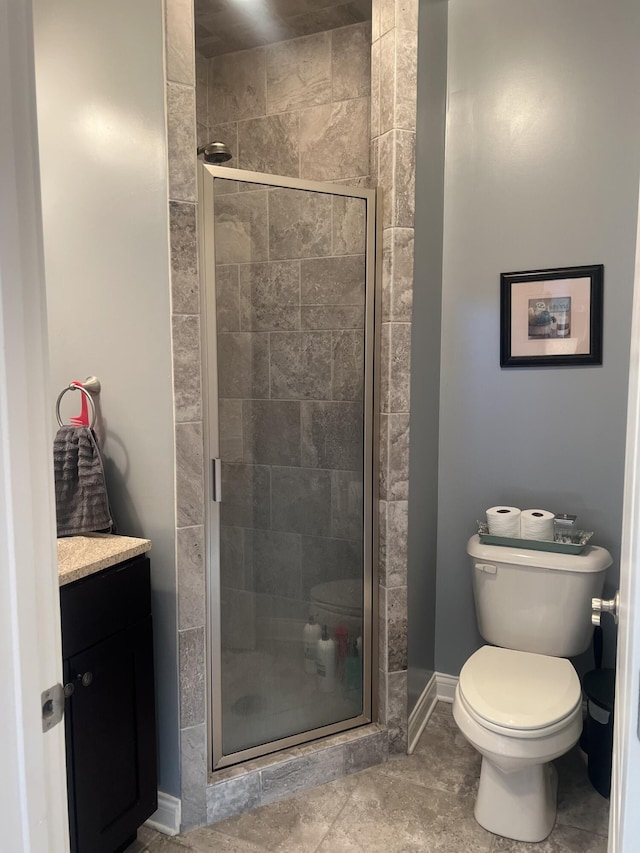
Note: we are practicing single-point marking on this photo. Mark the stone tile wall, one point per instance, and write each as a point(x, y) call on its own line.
point(202, 114)
point(393, 124)
point(188, 412)
point(299, 108)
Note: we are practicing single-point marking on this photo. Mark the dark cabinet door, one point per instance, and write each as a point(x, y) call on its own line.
point(111, 739)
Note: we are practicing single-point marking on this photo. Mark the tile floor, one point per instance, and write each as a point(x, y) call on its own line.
point(420, 803)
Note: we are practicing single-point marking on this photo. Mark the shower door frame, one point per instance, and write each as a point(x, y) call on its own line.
point(213, 656)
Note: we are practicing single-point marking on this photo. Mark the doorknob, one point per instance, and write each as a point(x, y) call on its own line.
point(604, 605)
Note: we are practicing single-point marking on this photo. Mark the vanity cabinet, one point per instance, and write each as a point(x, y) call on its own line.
point(110, 726)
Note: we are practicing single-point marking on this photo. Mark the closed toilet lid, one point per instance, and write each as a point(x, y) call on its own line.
point(519, 690)
point(343, 597)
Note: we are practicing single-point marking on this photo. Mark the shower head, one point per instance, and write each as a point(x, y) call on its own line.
point(215, 152)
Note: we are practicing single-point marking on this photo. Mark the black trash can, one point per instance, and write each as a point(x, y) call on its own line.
point(599, 687)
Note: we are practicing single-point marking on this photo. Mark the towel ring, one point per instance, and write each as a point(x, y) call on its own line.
point(86, 394)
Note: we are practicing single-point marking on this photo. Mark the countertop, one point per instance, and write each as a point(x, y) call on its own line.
point(81, 556)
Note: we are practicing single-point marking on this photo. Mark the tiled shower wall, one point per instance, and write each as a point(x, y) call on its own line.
point(290, 303)
point(188, 410)
point(299, 108)
point(305, 101)
point(393, 126)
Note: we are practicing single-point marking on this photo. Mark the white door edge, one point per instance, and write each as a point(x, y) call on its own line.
point(624, 820)
point(33, 807)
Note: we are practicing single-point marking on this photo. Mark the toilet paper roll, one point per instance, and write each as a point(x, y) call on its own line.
point(537, 524)
point(504, 521)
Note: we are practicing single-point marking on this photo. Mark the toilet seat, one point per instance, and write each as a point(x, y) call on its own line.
point(519, 694)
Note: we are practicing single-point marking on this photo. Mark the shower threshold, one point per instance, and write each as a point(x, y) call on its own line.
point(258, 781)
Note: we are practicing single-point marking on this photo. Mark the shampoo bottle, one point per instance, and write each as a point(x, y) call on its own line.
point(326, 662)
point(342, 642)
point(353, 670)
point(310, 637)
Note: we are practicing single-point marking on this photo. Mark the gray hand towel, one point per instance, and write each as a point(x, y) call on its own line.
point(82, 505)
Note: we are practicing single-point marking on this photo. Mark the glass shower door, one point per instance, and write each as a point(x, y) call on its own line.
point(289, 271)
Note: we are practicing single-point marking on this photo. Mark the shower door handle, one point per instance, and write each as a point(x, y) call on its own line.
point(216, 480)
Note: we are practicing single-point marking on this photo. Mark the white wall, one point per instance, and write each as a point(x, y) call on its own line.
point(104, 189)
point(33, 812)
point(542, 157)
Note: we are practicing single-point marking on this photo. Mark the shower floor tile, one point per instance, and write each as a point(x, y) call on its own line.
point(418, 803)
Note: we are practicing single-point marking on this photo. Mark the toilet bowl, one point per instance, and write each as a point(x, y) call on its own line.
point(520, 711)
point(335, 603)
point(518, 700)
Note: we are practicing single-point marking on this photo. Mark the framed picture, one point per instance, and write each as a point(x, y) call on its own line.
point(551, 317)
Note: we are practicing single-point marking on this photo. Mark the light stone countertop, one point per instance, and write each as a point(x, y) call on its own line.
point(81, 556)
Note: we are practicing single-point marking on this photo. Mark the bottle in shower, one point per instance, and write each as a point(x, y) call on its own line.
point(326, 662)
point(342, 644)
point(310, 637)
point(353, 672)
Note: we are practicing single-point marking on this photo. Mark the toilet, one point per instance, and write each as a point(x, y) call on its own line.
point(338, 602)
point(518, 700)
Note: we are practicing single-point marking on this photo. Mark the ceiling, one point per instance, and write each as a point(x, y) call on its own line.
point(224, 26)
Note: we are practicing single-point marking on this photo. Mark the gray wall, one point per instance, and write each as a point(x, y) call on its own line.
point(543, 147)
point(425, 346)
point(104, 191)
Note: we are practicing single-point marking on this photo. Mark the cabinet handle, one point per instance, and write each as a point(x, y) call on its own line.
point(69, 689)
point(86, 678)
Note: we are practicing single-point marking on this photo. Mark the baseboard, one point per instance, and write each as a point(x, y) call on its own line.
point(166, 818)
point(446, 686)
point(422, 710)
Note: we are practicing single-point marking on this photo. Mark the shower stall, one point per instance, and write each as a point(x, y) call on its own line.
point(289, 288)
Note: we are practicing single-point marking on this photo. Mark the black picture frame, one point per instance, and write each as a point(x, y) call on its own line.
point(551, 317)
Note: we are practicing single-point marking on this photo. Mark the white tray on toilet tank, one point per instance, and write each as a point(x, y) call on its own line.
point(563, 543)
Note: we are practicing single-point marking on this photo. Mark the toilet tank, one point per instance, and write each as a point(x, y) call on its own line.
point(536, 601)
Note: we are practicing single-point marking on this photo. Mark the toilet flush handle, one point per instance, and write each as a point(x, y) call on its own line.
point(489, 568)
point(603, 605)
